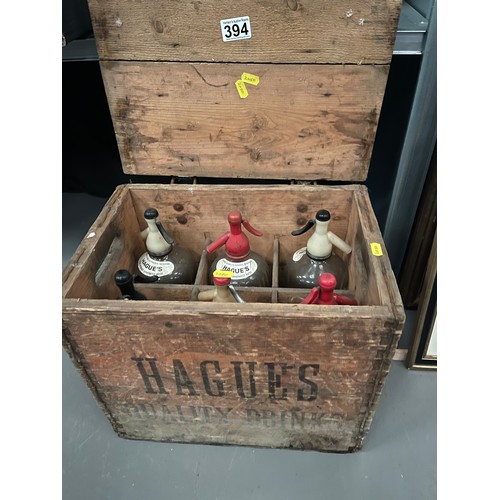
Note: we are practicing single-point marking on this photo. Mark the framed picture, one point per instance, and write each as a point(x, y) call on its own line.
point(422, 353)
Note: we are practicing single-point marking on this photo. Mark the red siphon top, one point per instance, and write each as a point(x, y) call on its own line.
point(325, 295)
point(236, 241)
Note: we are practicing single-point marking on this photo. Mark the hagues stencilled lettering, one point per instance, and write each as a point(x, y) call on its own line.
point(240, 378)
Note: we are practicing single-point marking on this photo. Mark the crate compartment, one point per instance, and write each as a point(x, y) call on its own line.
point(196, 215)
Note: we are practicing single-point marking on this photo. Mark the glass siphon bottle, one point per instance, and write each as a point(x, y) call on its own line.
point(124, 280)
point(223, 291)
point(248, 267)
point(307, 264)
point(169, 262)
point(325, 294)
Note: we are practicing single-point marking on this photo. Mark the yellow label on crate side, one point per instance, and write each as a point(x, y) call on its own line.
point(251, 79)
point(376, 249)
point(242, 90)
point(219, 273)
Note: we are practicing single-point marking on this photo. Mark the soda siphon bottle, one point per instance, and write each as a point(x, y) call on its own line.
point(307, 264)
point(169, 262)
point(124, 280)
point(223, 291)
point(325, 295)
point(248, 267)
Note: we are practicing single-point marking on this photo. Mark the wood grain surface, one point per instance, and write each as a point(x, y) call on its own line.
point(300, 122)
point(283, 31)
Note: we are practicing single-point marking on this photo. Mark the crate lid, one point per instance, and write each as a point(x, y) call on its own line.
point(296, 95)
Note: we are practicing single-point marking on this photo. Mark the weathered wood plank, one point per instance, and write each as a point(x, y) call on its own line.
point(191, 212)
point(296, 370)
point(305, 31)
point(300, 122)
point(106, 248)
point(380, 274)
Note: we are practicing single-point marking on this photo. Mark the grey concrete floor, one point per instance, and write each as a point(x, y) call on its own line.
point(398, 460)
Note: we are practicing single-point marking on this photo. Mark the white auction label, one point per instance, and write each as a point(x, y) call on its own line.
point(299, 254)
point(151, 267)
point(234, 29)
point(241, 270)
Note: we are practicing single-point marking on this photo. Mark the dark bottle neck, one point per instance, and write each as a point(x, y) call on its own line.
point(128, 292)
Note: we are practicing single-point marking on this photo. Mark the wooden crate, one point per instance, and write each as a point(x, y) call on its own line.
point(270, 372)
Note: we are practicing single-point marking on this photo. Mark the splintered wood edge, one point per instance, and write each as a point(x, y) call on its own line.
point(389, 292)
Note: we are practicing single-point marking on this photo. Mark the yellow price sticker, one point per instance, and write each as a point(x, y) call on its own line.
point(251, 79)
point(220, 273)
point(242, 90)
point(376, 249)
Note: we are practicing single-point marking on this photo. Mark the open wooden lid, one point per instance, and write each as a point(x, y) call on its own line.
point(178, 106)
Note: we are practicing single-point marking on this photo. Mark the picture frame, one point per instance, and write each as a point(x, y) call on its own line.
point(422, 353)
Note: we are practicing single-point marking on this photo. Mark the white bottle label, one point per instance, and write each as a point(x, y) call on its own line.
point(241, 270)
point(299, 254)
point(151, 267)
